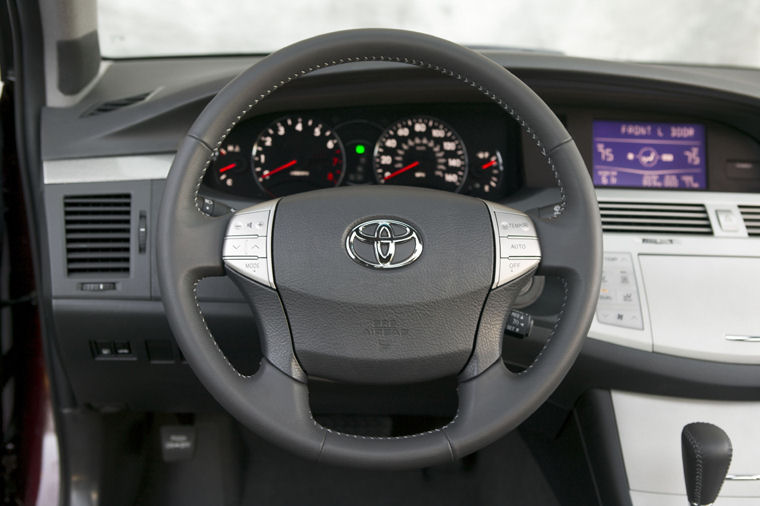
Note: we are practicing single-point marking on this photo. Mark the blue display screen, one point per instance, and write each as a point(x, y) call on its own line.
point(649, 155)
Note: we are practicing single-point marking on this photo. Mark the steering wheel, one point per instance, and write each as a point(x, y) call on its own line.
point(379, 284)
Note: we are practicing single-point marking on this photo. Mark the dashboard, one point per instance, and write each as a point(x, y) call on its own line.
point(673, 151)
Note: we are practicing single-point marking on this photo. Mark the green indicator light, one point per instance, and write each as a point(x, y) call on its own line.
point(360, 149)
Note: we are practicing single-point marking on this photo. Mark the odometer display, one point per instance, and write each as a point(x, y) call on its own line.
point(421, 151)
point(296, 154)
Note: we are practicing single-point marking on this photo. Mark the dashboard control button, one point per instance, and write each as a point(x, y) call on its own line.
point(160, 351)
point(728, 220)
point(252, 223)
point(514, 225)
point(618, 295)
point(519, 247)
point(122, 348)
point(621, 318)
point(255, 268)
point(103, 348)
point(606, 295)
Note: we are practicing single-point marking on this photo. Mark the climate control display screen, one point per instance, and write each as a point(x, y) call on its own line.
point(649, 155)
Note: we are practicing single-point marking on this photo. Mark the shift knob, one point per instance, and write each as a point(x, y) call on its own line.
point(706, 451)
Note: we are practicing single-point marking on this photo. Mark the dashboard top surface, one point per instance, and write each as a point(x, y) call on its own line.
point(175, 90)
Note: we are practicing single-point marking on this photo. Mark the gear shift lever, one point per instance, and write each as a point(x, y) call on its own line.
point(706, 451)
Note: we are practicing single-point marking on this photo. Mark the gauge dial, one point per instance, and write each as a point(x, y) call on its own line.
point(421, 151)
point(228, 165)
point(486, 172)
point(295, 154)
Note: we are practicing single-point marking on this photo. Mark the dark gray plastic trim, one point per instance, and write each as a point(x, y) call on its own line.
point(78, 62)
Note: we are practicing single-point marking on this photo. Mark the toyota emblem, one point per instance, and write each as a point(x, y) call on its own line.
point(383, 244)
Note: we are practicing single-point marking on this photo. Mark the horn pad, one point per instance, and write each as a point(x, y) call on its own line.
point(382, 284)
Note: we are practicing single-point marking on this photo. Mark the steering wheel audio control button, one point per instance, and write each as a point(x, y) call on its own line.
point(247, 247)
point(255, 246)
point(512, 247)
point(254, 268)
point(249, 223)
point(514, 225)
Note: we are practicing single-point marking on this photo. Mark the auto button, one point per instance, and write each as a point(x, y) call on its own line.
point(512, 247)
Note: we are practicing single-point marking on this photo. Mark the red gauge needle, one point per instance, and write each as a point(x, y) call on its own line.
point(227, 167)
point(281, 167)
point(401, 170)
point(489, 164)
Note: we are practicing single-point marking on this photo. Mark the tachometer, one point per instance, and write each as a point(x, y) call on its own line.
point(295, 154)
point(421, 151)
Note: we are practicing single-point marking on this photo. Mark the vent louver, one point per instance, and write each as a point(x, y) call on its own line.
point(655, 218)
point(97, 233)
point(113, 105)
point(751, 216)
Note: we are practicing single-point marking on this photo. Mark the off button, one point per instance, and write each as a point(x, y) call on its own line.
point(510, 268)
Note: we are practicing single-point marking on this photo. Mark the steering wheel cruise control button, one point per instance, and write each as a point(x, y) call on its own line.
point(513, 268)
point(248, 243)
point(512, 247)
point(514, 225)
point(517, 249)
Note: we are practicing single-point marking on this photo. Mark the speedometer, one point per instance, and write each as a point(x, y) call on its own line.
point(421, 151)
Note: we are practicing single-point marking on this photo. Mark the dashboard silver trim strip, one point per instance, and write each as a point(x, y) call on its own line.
point(156, 166)
point(107, 169)
point(746, 339)
point(743, 477)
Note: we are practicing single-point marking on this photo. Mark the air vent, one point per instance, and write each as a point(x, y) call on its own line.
point(751, 215)
point(97, 233)
point(113, 105)
point(655, 218)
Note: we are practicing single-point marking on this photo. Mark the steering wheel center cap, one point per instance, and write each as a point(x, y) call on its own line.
point(384, 244)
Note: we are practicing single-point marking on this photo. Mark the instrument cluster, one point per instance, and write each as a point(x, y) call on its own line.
point(468, 148)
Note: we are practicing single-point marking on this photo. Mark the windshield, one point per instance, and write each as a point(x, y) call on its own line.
point(681, 31)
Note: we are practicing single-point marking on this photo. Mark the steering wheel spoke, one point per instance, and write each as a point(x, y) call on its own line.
point(281, 396)
point(203, 259)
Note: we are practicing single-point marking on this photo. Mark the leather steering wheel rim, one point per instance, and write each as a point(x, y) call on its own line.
point(274, 401)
